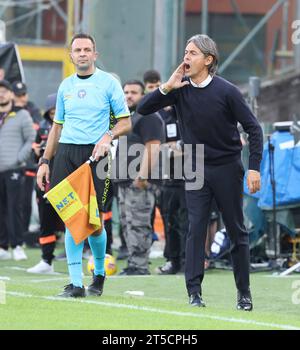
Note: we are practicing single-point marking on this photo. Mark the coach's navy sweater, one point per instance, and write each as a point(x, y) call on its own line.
point(209, 116)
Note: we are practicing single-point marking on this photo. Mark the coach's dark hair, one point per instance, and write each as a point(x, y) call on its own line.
point(135, 82)
point(208, 47)
point(84, 36)
point(151, 76)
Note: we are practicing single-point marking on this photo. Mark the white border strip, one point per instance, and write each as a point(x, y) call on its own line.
point(160, 311)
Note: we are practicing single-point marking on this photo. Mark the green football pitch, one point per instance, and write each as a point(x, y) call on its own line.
point(29, 301)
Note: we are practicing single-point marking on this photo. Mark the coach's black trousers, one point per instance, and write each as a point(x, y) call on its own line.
point(225, 184)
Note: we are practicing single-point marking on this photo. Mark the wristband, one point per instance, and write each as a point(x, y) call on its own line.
point(44, 161)
point(163, 90)
point(110, 133)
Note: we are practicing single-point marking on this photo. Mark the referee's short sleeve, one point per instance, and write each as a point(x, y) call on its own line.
point(59, 117)
point(118, 101)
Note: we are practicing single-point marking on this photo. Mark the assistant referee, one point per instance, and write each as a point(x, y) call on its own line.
point(85, 101)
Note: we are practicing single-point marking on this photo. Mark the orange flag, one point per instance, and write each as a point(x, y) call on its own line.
point(74, 200)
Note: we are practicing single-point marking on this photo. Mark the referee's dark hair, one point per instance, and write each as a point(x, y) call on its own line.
point(84, 36)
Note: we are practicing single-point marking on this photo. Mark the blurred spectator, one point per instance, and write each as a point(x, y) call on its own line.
point(211, 232)
point(152, 80)
point(22, 102)
point(16, 137)
point(2, 73)
point(107, 217)
point(49, 220)
point(136, 197)
point(173, 206)
point(122, 250)
point(107, 209)
point(170, 197)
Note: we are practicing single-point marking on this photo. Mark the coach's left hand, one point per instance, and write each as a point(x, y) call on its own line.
point(102, 147)
point(253, 181)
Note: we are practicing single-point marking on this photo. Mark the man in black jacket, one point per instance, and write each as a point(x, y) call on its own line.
point(136, 191)
point(49, 220)
point(209, 109)
point(21, 101)
point(16, 138)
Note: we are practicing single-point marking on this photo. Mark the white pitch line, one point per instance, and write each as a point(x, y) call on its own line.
point(18, 268)
point(280, 277)
point(160, 311)
point(132, 276)
point(67, 276)
point(41, 280)
point(4, 278)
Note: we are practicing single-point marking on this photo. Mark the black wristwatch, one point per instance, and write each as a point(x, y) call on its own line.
point(44, 161)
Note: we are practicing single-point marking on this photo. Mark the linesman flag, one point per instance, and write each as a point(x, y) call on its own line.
point(74, 200)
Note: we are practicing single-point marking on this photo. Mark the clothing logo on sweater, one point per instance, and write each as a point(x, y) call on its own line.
point(15, 176)
point(81, 93)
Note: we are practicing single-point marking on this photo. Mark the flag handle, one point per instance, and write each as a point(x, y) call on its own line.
point(91, 160)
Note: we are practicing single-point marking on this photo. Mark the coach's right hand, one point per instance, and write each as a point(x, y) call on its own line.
point(175, 80)
point(43, 176)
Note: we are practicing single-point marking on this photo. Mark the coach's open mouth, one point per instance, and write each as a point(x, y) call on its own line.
point(187, 66)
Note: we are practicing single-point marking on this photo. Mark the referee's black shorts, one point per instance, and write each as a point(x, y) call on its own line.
point(68, 158)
